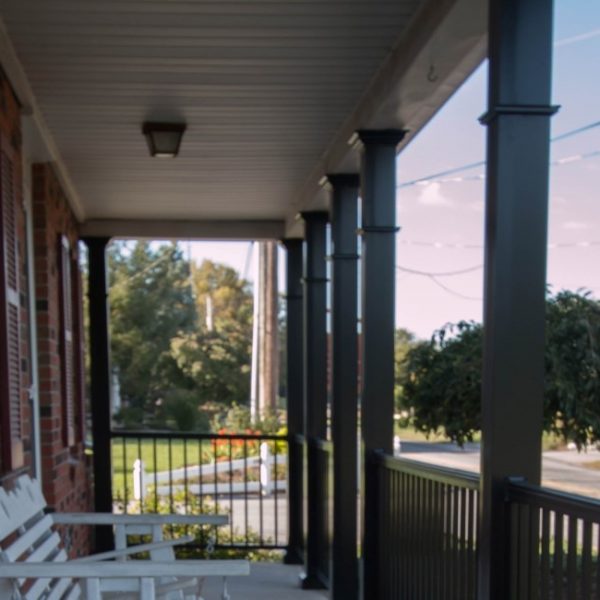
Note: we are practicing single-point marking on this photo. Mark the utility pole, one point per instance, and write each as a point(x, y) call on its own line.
point(268, 331)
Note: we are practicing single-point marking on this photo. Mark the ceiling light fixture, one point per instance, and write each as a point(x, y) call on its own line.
point(163, 139)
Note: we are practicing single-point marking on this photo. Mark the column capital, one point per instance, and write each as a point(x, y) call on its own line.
point(314, 215)
point(343, 180)
point(288, 243)
point(530, 110)
point(93, 240)
point(383, 137)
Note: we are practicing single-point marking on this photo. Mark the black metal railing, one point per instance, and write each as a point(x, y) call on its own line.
point(425, 519)
point(244, 476)
point(554, 544)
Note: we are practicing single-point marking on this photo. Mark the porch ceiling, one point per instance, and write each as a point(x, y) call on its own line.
point(271, 91)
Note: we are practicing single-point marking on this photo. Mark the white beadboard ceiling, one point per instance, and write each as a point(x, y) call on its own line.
point(269, 89)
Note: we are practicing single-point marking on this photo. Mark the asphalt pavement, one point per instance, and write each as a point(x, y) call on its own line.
point(561, 469)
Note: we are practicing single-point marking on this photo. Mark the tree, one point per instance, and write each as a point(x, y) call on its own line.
point(573, 367)
point(404, 340)
point(216, 356)
point(151, 302)
point(442, 381)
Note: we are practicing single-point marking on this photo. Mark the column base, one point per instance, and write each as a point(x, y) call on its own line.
point(311, 582)
point(293, 556)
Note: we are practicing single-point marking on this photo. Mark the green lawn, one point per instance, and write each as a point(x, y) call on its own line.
point(156, 458)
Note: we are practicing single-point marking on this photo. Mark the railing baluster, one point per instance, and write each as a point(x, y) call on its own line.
point(558, 555)
point(413, 538)
point(230, 491)
point(446, 542)
point(418, 533)
point(216, 478)
point(246, 490)
point(545, 555)
point(439, 549)
point(404, 542)
point(139, 448)
point(597, 560)
point(429, 537)
point(455, 543)
point(463, 542)
point(201, 489)
point(125, 476)
point(155, 470)
point(470, 549)
point(170, 459)
point(572, 559)
point(185, 480)
point(275, 491)
point(586, 561)
point(201, 473)
point(260, 495)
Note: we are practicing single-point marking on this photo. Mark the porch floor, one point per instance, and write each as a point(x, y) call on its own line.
point(267, 581)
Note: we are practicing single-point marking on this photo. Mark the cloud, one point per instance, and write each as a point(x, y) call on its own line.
point(576, 225)
point(432, 196)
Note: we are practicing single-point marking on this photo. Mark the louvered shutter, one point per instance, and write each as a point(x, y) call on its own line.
point(10, 342)
point(67, 355)
point(78, 350)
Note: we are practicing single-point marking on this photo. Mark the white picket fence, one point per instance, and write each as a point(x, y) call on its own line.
point(166, 482)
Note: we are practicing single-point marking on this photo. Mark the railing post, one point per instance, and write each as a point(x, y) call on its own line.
point(378, 192)
point(344, 403)
point(295, 401)
point(315, 386)
point(518, 120)
point(100, 385)
point(139, 479)
point(266, 463)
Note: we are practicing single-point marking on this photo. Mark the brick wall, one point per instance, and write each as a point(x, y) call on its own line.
point(67, 481)
point(66, 474)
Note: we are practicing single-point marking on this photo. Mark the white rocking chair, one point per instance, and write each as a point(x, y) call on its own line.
point(33, 566)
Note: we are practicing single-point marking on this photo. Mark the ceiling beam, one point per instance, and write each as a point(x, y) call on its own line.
point(184, 230)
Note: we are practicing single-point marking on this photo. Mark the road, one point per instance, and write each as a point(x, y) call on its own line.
point(561, 470)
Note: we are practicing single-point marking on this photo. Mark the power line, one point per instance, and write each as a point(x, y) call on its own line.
point(441, 176)
point(454, 292)
point(568, 134)
point(458, 246)
point(442, 274)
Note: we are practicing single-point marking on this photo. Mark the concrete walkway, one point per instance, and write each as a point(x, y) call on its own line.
point(267, 581)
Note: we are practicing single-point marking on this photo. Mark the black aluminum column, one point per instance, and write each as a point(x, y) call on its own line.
point(344, 223)
point(518, 120)
point(378, 192)
point(100, 385)
point(295, 400)
point(315, 388)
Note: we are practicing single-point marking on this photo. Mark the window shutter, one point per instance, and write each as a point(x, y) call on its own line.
point(10, 340)
point(67, 354)
point(78, 350)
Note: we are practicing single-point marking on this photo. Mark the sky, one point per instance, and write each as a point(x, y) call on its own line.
point(441, 220)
